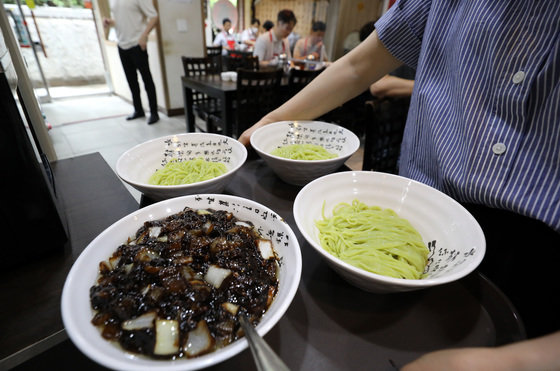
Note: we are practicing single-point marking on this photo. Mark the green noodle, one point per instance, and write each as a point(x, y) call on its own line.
point(303, 152)
point(374, 239)
point(186, 172)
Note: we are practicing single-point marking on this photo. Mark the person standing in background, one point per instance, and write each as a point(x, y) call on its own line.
point(274, 43)
point(133, 21)
point(311, 47)
point(249, 36)
point(225, 38)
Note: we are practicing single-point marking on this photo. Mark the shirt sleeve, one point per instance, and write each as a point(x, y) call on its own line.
point(218, 40)
point(148, 9)
point(259, 49)
point(401, 29)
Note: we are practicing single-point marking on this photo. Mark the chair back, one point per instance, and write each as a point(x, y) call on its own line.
point(241, 59)
point(215, 54)
point(297, 80)
point(198, 66)
point(257, 94)
point(384, 133)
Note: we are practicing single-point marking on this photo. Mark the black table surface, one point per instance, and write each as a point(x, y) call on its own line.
point(331, 325)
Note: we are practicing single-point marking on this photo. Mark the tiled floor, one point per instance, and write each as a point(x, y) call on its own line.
point(97, 124)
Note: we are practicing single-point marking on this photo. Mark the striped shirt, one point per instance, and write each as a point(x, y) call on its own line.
point(484, 119)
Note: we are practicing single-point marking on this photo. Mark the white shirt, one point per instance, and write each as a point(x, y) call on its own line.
point(222, 39)
point(130, 20)
point(268, 46)
point(248, 35)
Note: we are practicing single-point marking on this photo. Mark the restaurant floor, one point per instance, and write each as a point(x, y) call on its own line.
point(97, 123)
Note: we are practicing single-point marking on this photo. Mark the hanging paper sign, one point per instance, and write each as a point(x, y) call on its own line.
point(30, 3)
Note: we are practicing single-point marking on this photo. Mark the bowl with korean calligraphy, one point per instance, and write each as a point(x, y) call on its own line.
point(137, 165)
point(453, 241)
point(309, 145)
point(185, 303)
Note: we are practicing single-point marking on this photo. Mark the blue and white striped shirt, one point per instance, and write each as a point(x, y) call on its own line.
point(484, 119)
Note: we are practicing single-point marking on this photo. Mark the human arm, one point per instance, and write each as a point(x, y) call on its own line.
point(535, 354)
point(392, 86)
point(298, 49)
point(348, 77)
point(108, 22)
point(143, 41)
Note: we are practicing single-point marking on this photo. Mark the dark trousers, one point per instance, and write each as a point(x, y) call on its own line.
point(523, 260)
point(134, 59)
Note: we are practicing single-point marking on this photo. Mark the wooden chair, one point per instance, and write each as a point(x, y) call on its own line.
point(203, 105)
point(241, 59)
point(297, 80)
point(384, 133)
point(215, 55)
point(257, 94)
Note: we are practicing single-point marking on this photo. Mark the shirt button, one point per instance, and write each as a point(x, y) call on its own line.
point(499, 148)
point(518, 77)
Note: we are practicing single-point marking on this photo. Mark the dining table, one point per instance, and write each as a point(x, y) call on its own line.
point(330, 324)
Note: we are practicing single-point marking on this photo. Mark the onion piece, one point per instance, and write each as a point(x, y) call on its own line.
point(265, 247)
point(216, 275)
point(230, 307)
point(198, 340)
point(155, 231)
point(146, 320)
point(203, 212)
point(162, 238)
point(146, 255)
point(128, 268)
point(167, 337)
point(243, 224)
point(114, 261)
point(208, 227)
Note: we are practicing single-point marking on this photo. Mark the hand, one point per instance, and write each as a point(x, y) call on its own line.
point(245, 137)
point(108, 22)
point(143, 42)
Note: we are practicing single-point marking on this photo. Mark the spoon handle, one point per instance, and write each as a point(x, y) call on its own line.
point(264, 356)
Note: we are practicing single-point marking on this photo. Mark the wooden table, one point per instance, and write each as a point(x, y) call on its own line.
point(331, 325)
point(215, 87)
point(92, 198)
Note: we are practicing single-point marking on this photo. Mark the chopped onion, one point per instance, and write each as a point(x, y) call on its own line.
point(203, 212)
point(208, 227)
point(198, 340)
point(265, 247)
point(243, 224)
point(146, 320)
point(162, 239)
point(230, 307)
point(146, 255)
point(167, 337)
point(114, 261)
point(216, 275)
point(145, 290)
point(155, 231)
point(128, 268)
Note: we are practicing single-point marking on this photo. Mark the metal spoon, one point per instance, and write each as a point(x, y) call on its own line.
point(264, 356)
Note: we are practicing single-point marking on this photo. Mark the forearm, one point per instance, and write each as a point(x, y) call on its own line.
point(152, 22)
point(343, 80)
point(542, 353)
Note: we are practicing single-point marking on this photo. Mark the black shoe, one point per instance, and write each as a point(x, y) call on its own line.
point(153, 119)
point(135, 115)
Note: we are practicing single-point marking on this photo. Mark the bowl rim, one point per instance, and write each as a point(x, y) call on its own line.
point(419, 283)
point(119, 164)
point(348, 132)
point(162, 209)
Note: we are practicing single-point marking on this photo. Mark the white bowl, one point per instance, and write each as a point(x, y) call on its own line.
point(459, 241)
point(334, 138)
point(77, 312)
point(136, 165)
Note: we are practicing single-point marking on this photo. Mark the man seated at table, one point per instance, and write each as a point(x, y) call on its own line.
point(274, 43)
point(225, 38)
point(311, 47)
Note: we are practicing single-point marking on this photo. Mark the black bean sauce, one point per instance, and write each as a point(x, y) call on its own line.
point(192, 272)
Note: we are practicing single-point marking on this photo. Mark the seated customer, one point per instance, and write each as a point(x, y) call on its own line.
point(267, 25)
point(274, 43)
point(311, 47)
point(224, 38)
